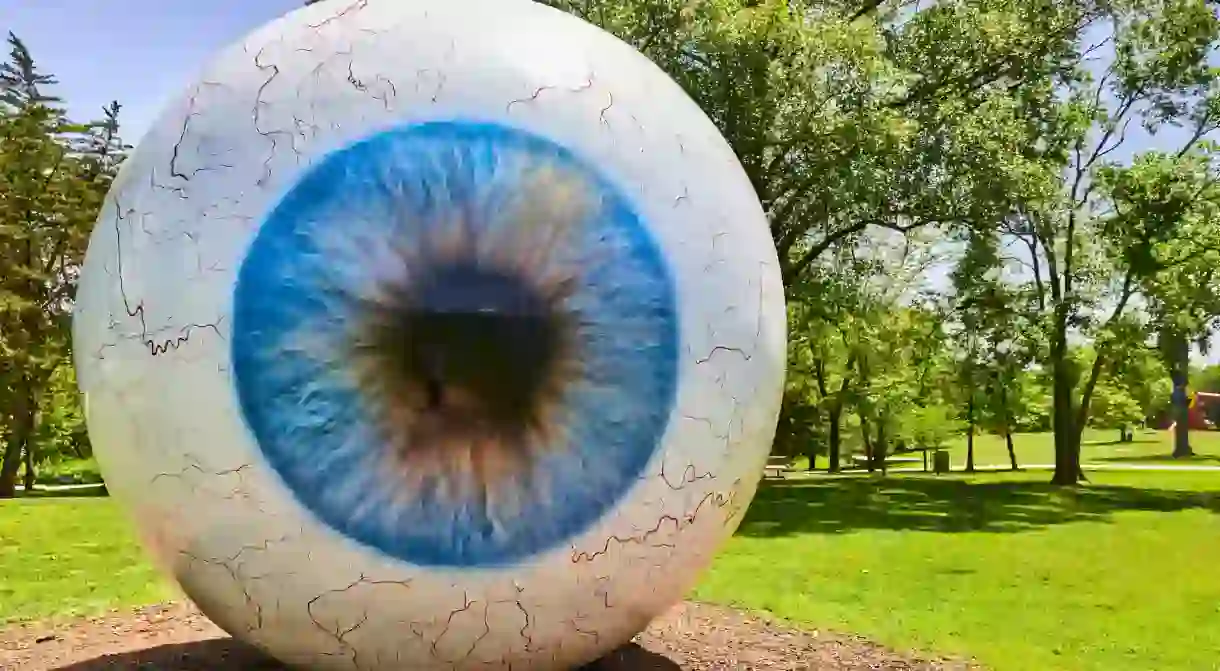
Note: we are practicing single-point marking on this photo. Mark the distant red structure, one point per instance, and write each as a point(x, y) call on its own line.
point(1203, 409)
point(1204, 413)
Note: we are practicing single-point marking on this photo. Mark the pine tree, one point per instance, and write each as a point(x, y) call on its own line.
point(54, 175)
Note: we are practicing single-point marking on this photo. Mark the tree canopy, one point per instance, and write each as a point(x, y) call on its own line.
point(1001, 127)
point(54, 174)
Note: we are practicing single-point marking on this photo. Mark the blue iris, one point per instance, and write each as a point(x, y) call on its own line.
point(390, 292)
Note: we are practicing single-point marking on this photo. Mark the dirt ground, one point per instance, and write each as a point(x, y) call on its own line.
point(692, 637)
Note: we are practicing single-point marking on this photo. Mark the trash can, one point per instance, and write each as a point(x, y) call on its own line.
point(940, 461)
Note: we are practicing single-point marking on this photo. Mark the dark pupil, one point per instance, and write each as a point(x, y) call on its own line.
point(480, 337)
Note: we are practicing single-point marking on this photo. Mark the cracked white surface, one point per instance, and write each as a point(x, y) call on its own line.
point(152, 325)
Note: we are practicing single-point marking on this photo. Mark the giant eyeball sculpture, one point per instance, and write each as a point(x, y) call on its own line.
point(432, 334)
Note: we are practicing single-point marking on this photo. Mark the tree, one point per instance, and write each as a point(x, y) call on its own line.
point(847, 116)
point(897, 343)
point(978, 300)
point(859, 345)
point(1138, 369)
point(997, 339)
point(1209, 379)
point(826, 309)
point(1185, 298)
point(1097, 237)
point(906, 399)
point(800, 412)
point(931, 425)
point(1115, 408)
point(54, 175)
point(965, 116)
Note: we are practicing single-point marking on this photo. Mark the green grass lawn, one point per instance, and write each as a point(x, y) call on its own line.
point(73, 555)
point(1100, 447)
point(1000, 567)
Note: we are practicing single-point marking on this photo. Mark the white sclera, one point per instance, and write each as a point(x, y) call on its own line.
point(153, 316)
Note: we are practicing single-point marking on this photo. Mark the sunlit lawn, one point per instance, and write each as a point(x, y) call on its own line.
point(999, 567)
point(1101, 447)
point(70, 555)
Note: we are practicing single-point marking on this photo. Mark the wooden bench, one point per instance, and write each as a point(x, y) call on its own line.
point(777, 467)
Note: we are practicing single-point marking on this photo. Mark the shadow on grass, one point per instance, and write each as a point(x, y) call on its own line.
point(64, 493)
point(844, 504)
point(1150, 440)
point(231, 655)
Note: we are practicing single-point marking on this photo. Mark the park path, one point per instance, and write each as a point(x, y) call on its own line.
point(1087, 467)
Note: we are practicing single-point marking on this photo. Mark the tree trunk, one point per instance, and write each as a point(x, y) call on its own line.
point(1067, 450)
point(1082, 411)
point(880, 448)
point(1181, 412)
point(19, 436)
point(811, 446)
point(868, 443)
point(29, 466)
point(1181, 431)
point(834, 416)
point(8, 468)
point(970, 433)
point(1175, 350)
point(1007, 420)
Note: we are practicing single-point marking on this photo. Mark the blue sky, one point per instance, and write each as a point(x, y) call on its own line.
point(139, 52)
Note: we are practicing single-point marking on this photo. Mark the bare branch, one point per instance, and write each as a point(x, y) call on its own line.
point(868, 8)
